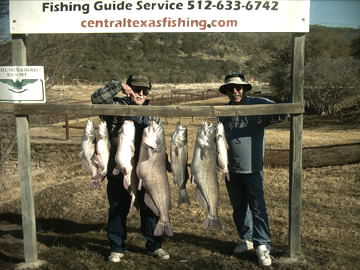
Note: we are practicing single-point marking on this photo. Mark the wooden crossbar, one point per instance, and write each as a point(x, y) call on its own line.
point(166, 111)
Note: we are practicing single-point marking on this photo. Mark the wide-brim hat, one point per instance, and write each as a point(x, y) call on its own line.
point(235, 79)
point(139, 80)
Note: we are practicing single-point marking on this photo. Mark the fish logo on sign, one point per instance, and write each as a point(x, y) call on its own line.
point(17, 86)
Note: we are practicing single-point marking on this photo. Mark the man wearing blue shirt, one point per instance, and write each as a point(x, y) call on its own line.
point(245, 137)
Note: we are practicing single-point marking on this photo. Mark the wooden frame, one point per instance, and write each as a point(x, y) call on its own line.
point(295, 166)
point(296, 109)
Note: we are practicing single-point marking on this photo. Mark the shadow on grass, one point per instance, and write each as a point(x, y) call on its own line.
point(69, 235)
point(6, 262)
point(212, 244)
point(56, 225)
point(71, 232)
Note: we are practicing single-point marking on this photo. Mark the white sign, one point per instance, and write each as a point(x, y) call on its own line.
point(93, 16)
point(22, 84)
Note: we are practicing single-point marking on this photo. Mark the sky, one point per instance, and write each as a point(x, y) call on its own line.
point(333, 13)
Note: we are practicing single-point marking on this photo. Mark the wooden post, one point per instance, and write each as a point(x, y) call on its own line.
point(24, 165)
point(67, 131)
point(295, 169)
point(27, 200)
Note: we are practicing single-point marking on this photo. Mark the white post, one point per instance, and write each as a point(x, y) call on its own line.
point(24, 164)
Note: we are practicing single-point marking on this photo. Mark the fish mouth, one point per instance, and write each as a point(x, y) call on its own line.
point(151, 135)
point(153, 144)
point(182, 131)
point(155, 127)
point(150, 139)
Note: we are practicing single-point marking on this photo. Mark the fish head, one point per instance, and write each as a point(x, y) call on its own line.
point(179, 137)
point(89, 128)
point(220, 131)
point(206, 134)
point(181, 130)
point(153, 135)
point(103, 131)
point(128, 128)
point(207, 129)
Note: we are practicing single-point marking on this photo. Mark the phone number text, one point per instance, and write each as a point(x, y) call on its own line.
point(233, 5)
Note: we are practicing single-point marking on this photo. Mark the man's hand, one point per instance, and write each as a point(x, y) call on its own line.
point(127, 90)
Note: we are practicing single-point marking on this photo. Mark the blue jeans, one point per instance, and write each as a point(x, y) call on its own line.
point(119, 201)
point(246, 193)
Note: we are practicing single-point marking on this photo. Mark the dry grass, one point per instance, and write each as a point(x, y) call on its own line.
point(72, 224)
point(280, 138)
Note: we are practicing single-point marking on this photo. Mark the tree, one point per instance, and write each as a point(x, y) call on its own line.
point(327, 83)
point(281, 75)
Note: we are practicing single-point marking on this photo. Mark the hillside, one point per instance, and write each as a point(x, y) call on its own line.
point(175, 57)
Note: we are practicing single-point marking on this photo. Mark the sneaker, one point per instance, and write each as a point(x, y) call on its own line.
point(243, 246)
point(115, 257)
point(263, 255)
point(161, 254)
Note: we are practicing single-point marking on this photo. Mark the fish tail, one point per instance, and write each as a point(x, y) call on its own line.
point(159, 229)
point(94, 183)
point(137, 203)
point(163, 228)
point(212, 222)
point(183, 197)
point(126, 181)
point(132, 202)
point(88, 167)
point(168, 230)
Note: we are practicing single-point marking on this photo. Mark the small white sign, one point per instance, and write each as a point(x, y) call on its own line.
point(105, 16)
point(22, 84)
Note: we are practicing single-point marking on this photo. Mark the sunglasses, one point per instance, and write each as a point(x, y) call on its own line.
point(230, 88)
point(145, 90)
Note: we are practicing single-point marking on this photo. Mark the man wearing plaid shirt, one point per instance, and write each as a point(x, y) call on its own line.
point(136, 88)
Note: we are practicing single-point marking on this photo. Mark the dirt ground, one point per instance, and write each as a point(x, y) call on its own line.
point(71, 218)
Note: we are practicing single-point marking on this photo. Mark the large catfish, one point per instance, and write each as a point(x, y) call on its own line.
point(151, 170)
point(222, 150)
point(179, 159)
point(87, 152)
point(124, 158)
point(204, 173)
point(102, 150)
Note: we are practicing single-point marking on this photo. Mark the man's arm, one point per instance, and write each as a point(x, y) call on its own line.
point(272, 119)
point(105, 95)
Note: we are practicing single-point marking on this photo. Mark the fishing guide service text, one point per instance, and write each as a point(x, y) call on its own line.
point(215, 5)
